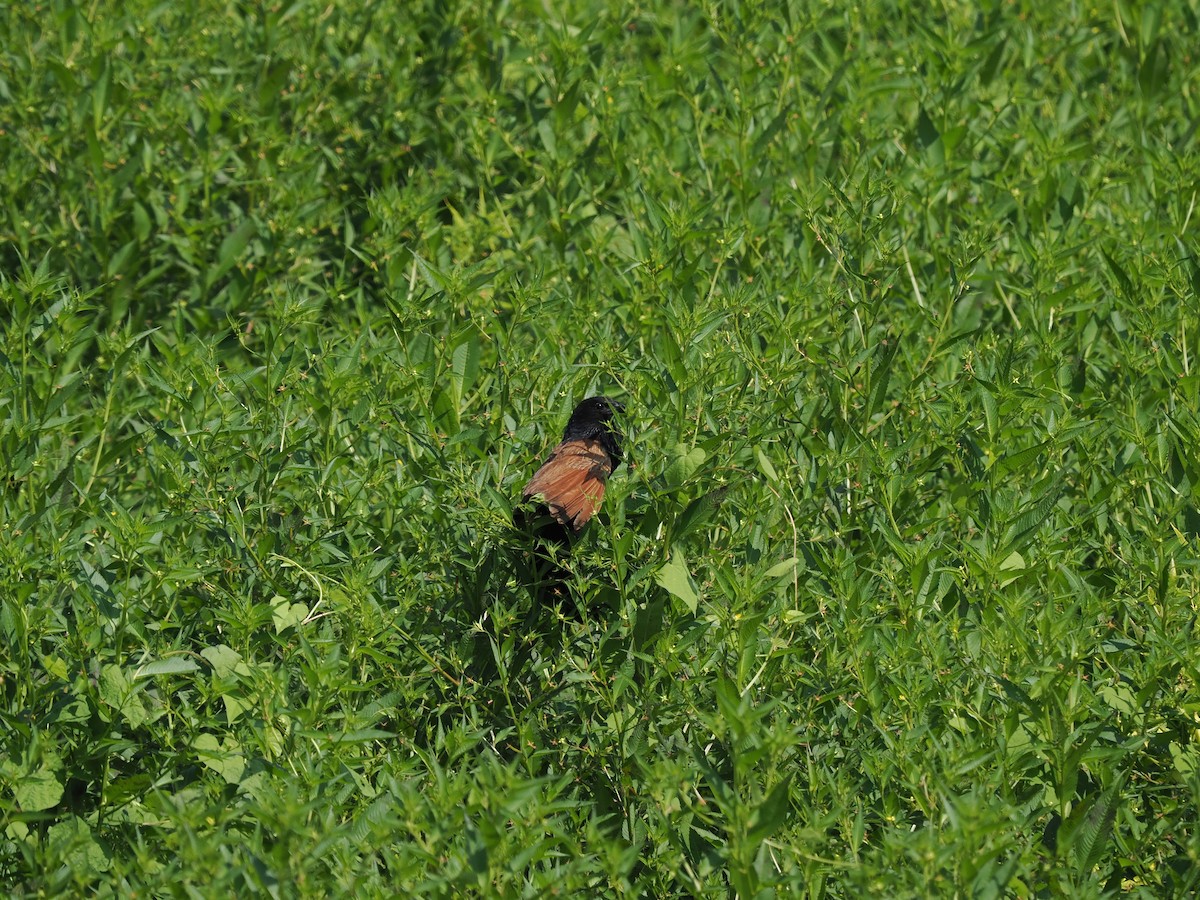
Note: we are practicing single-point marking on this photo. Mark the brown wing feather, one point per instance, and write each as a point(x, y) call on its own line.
point(571, 481)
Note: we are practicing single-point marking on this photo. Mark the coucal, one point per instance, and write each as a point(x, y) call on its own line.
point(567, 490)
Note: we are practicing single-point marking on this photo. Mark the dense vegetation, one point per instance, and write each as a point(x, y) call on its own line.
point(898, 597)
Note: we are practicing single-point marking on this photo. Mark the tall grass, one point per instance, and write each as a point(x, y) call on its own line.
point(896, 596)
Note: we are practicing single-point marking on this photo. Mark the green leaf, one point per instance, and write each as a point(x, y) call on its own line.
point(1091, 842)
point(1124, 282)
point(763, 141)
point(1186, 760)
point(672, 357)
point(684, 465)
point(674, 578)
point(1012, 462)
point(1031, 519)
point(699, 511)
point(1012, 566)
point(881, 373)
point(285, 614)
point(231, 248)
point(172, 665)
point(546, 132)
point(100, 89)
point(764, 463)
point(364, 735)
point(221, 756)
point(464, 365)
point(225, 661)
point(73, 839)
point(783, 569)
point(38, 790)
point(235, 705)
point(1014, 562)
point(118, 692)
point(1119, 696)
point(991, 413)
point(772, 813)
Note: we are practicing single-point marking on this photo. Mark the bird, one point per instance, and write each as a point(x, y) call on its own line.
point(566, 491)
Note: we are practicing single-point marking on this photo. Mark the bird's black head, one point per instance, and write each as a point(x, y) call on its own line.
point(593, 419)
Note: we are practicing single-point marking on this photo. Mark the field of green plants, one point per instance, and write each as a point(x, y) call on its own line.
point(895, 596)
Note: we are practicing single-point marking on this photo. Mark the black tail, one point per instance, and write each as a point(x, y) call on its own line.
point(542, 557)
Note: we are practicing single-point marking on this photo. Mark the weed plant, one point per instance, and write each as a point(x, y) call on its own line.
point(896, 597)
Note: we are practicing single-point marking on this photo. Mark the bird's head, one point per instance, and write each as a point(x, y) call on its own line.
point(595, 410)
point(592, 418)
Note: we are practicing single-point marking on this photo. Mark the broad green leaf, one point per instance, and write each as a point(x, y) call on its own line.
point(1120, 697)
point(286, 614)
point(235, 705)
point(225, 661)
point(222, 756)
point(38, 790)
point(118, 692)
point(73, 838)
point(673, 576)
point(783, 569)
point(172, 665)
point(1186, 760)
point(684, 465)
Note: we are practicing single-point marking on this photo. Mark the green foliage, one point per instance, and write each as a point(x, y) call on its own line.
point(896, 597)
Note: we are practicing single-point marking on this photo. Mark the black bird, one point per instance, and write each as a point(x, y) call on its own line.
point(567, 490)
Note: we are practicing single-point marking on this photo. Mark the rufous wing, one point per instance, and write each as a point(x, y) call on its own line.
point(571, 482)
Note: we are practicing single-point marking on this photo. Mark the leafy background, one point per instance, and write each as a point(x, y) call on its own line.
point(898, 596)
